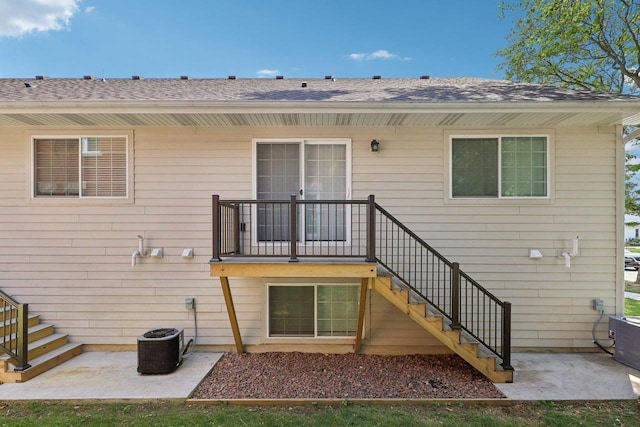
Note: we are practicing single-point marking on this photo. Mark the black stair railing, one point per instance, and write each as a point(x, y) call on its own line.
point(363, 229)
point(14, 330)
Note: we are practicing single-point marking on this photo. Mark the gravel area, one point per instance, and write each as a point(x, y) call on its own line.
point(343, 376)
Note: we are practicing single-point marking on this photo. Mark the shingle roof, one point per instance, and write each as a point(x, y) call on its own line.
point(433, 90)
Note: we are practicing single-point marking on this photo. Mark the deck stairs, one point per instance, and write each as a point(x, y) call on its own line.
point(416, 307)
point(47, 349)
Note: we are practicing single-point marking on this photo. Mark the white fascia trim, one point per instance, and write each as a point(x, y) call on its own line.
point(625, 108)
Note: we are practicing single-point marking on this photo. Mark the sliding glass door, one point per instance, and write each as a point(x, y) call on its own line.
point(311, 169)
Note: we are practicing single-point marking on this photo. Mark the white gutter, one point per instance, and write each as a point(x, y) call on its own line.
point(624, 108)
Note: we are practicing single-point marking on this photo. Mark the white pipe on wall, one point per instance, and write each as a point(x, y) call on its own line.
point(568, 255)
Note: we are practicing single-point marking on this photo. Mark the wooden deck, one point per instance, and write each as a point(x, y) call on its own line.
point(282, 267)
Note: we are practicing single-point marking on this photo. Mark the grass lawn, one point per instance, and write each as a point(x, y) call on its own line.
point(631, 307)
point(632, 287)
point(625, 413)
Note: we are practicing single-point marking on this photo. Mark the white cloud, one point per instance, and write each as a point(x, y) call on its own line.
point(89, 9)
point(26, 16)
point(378, 54)
point(268, 73)
point(358, 56)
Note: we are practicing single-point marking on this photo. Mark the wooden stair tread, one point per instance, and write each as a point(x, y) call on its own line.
point(43, 363)
point(35, 332)
point(41, 346)
point(455, 340)
point(33, 320)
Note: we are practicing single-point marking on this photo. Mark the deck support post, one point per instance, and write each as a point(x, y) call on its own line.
point(371, 229)
point(228, 300)
point(216, 227)
point(506, 337)
point(293, 229)
point(364, 287)
point(455, 297)
point(22, 345)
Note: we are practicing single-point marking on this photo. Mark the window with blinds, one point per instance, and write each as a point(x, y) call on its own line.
point(80, 167)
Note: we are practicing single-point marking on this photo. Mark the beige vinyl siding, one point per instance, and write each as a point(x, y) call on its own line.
point(71, 261)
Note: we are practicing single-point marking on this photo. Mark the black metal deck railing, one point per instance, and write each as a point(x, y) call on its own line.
point(362, 229)
point(446, 288)
point(14, 331)
point(291, 228)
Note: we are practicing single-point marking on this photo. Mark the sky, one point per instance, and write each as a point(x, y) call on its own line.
point(251, 38)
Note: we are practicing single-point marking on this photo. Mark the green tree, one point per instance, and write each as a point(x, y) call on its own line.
point(581, 44)
point(585, 44)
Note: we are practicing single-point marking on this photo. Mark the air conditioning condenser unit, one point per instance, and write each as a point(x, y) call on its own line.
point(160, 350)
point(626, 333)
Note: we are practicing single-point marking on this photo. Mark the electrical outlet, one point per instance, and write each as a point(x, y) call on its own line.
point(598, 304)
point(190, 303)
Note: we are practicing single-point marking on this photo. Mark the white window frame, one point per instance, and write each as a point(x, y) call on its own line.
point(499, 137)
point(301, 142)
point(128, 198)
point(315, 310)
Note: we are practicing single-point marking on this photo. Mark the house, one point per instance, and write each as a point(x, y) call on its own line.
point(485, 210)
point(631, 228)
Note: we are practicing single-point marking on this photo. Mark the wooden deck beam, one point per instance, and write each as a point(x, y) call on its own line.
point(293, 269)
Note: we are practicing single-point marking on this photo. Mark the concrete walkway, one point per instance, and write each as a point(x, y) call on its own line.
point(574, 376)
point(632, 295)
point(113, 376)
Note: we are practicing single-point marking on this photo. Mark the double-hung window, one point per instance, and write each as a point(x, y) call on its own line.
point(503, 167)
point(313, 310)
point(79, 167)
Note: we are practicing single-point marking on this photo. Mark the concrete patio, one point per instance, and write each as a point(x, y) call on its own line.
point(112, 376)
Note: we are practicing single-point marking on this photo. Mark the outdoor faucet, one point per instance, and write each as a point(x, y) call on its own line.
point(568, 255)
point(140, 252)
point(134, 255)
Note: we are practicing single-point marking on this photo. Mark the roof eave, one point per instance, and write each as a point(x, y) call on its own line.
point(630, 107)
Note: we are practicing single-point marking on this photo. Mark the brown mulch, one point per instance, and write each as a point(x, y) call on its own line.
point(343, 376)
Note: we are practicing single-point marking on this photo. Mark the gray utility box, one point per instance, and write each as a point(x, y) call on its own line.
point(626, 332)
point(160, 350)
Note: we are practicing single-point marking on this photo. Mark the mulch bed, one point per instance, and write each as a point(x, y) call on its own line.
point(343, 376)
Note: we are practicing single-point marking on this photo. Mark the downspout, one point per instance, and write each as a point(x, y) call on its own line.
point(619, 209)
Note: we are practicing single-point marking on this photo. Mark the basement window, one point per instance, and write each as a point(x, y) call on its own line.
point(80, 167)
point(314, 310)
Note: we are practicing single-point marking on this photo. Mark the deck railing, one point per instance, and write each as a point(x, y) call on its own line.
point(14, 330)
point(442, 284)
point(291, 228)
point(362, 229)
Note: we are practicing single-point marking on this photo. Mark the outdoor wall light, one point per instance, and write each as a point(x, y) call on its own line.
point(375, 146)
